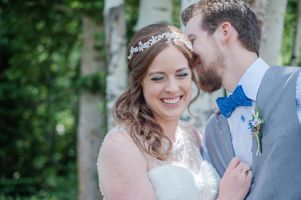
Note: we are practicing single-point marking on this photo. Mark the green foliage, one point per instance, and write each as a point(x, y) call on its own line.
point(93, 83)
point(176, 13)
point(40, 47)
point(289, 32)
point(131, 16)
point(57, 186)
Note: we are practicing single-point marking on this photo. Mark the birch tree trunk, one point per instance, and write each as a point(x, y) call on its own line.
point(91, 120)
point(154, 11)
point(259, 7)
point(115, 27)
point(273, 24)
point(297, 40)
point(205, 105)
point(185, 4)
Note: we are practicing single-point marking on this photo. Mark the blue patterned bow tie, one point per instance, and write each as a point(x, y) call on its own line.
point(228, 104)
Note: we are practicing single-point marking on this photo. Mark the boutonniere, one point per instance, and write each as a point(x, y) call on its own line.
point(256, 125)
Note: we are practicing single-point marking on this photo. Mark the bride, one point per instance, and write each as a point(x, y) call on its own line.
point(151, 154)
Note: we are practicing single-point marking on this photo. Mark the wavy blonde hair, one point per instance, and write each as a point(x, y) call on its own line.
point(131, 109)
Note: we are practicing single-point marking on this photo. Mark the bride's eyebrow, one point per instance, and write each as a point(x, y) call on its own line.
point(182, 69)
point(155, 73)
point(159, 72)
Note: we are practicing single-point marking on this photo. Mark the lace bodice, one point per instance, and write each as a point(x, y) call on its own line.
point(185, 175)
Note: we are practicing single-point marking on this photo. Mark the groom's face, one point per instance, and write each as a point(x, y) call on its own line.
point(209, 58)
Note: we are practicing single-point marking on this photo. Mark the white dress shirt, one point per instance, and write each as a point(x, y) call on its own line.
point(238, 121)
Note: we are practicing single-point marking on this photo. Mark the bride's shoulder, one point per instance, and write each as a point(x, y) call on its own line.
point(120, 165)
point(191, 130)
point(118, 146)
point(117, 136)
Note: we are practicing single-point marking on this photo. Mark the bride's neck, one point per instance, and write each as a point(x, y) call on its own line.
point(169, 129)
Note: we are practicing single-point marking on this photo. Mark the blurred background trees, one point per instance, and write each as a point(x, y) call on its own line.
point(62, 65)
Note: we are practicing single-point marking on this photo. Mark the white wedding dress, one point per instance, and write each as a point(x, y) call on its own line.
point(185, 175)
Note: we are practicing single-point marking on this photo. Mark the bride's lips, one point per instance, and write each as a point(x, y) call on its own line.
point(171, 100)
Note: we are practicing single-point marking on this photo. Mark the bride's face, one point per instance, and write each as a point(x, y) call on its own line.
point(167, 85)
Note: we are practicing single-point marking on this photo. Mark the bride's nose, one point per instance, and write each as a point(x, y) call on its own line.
point(172, 85)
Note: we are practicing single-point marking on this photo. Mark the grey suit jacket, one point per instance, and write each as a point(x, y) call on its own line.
point(277, 172)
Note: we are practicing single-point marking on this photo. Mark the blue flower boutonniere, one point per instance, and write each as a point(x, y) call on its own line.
point(256, 125)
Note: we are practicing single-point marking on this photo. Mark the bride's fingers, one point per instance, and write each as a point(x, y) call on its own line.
point(249, 175)
point(243, 167)
point(234, 163)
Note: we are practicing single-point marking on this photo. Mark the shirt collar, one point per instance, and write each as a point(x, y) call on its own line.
point(251, 79)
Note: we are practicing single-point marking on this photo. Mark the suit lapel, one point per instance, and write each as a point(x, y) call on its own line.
point(226, 138)
point(259, 105)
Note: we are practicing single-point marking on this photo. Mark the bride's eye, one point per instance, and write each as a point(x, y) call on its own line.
point(157, 78)
point(183, 74)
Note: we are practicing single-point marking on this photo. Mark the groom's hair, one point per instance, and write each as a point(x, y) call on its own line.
point(237, 12)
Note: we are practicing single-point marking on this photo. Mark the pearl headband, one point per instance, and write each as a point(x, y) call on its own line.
point(154, 39)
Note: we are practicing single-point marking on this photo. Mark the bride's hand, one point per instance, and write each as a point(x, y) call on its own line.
point(236, 181)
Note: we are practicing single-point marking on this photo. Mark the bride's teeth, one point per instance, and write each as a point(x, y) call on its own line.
point(171, 101)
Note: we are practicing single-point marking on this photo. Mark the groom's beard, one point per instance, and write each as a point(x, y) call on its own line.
point(209, 80)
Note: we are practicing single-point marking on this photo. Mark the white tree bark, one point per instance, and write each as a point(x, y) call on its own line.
point(115, 27)
point(259, 6)
point(91, 120)
point(297, 42)
point(205, 105)
point(185, 4)
point(154, 11)
point(273, 24)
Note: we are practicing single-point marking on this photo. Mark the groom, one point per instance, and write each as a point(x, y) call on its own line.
point(226, 38)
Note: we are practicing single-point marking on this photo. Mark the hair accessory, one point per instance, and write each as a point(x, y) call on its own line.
point(154, 39)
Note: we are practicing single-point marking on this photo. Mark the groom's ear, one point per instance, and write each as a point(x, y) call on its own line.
point(226, 31)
